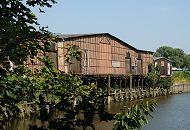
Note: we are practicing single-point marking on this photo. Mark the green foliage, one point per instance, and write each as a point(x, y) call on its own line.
point(181, 77)
point(179, 58)
point(165, 82)
point(83, 114)
point(164, 51)
point(17, 89)
point(20, 39)
point(153, 78)
point(25, 86)
point(57, 90)
point(49, 87)
point(73, 52)
point(153, 75)
point(19, 36)
point(135, 117)
point(187, 61)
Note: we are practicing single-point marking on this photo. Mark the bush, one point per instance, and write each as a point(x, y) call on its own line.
point(165, 82)
point(181, 77)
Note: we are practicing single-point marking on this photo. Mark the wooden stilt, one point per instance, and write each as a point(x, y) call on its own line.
point(125, 88)
point(102, 85)
point(138, 83)
point(96, 83)
point(115, 92)
point(125, 83)
point(134, 83)
point(108, 89)
point(131, 82)
point(142, 80)
point(131, 86)
point(120, 89)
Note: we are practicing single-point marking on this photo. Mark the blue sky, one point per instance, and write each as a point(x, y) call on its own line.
point(144, 24)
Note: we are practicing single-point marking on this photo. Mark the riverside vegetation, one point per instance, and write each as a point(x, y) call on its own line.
point(46, 90)
point(181, 77)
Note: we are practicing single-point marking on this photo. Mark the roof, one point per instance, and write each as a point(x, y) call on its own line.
point(66, 37)
point(157, 58)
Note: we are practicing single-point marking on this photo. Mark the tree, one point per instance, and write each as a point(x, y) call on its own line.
point(19, 36)
point(164, 51)
point(178, 57)
point(187, 61)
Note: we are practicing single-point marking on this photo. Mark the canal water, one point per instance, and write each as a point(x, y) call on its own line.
point(172, 113)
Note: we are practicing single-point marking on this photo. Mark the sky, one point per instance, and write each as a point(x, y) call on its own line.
point(144, 24)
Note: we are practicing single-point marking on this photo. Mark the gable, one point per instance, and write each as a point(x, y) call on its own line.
point(104, 40)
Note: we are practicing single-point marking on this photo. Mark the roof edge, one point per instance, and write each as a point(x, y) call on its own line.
point(61, 36)
point(144, 51)
point(157, 58)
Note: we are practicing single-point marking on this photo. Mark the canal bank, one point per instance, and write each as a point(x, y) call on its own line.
point(171, 98)
point(180, 88)
point(115, 107)
point(138, 93)
point(118, 95)
point(172, 113)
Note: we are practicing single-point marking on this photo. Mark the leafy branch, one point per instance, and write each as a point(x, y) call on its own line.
point(134, 117)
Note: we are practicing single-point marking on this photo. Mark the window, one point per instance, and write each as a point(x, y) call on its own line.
point(128, 55)
point(128, 65)
point(139, 66)
point(139, 56)
point(116, 64)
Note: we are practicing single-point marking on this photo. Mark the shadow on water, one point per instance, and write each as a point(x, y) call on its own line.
point(172, 113)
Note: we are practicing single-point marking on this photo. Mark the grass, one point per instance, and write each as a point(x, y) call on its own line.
point(181, 77)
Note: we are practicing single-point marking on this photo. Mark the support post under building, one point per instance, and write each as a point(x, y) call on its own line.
point(131, 86)
point(108, 89)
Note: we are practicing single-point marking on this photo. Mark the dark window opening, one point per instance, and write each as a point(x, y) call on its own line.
point(128, 65)
point(139, 66)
